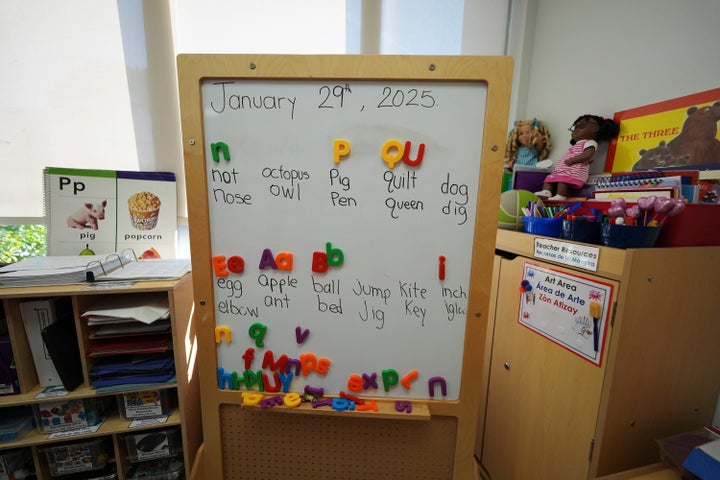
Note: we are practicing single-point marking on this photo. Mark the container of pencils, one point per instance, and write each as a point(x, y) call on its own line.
point(629, 236)
point(548, 223)
point(581, 229)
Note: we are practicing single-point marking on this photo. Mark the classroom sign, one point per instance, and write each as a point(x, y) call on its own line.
point(570, 310)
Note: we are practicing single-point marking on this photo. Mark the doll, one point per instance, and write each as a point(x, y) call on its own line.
point(528, 143)
point(573, 168)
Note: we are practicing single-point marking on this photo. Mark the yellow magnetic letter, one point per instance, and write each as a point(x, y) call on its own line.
point(341, 148)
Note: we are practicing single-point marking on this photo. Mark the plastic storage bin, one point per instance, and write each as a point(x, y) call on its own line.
point(72, 414)
point(548, 227)
point(17, 463)
point(15, 423)
point(629, 236)
point(166, 469)
point(108, 472)
point(78, 456)
point(145, 404)
point(153, 444)
point(586, 231)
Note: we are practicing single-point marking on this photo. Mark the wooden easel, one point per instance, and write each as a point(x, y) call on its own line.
point(248, 442)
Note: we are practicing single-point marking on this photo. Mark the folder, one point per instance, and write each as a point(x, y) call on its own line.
point(61, 342)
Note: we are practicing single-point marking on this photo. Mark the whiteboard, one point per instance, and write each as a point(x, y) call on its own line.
point(276, 184)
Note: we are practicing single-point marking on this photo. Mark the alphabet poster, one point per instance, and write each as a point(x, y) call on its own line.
point(570, 310)
point(342, 218)
point(92, 212)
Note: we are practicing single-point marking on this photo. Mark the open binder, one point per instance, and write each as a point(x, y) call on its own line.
point(65, 270)
point(130, 268)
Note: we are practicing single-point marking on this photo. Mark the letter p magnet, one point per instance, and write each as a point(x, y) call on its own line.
point(341, 148)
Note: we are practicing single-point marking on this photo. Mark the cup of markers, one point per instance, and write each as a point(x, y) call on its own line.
point(546, 220)
point(639, 225)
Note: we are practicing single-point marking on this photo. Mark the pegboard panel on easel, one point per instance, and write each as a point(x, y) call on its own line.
point(330, 447)
point(342, 221)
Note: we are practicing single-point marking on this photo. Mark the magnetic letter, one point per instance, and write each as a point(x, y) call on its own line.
point(271, 402)
point(308, 362)
point(369, 405)
point(251, 378)
point(257, 333)
point(267, 260)
point(335, 256)
point(340, 404)
point(223, 331)
point(250, 398)
point(410, 377)
point(441, 267)
point(292, 400)
point(319, 262)
point(437, 381)
point(355, 383)
point(224, 379)
point(357, 400)
point(403, 407)
point(248, 356)
point(270, 363)
point(219, 266)
point(390, 378)
point(284, 261)
point(266, 383)
point(341, 148)
point(222, 146)
point(236, 264)
point(406, 155)
point(369, 381)
point(392, 152)
point(301, 335)
point(322, 366)
point(285, 379)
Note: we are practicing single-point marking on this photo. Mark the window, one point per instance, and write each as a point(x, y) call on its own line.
point(87, 85)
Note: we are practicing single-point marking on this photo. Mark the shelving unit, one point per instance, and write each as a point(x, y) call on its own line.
point(186, 412)
point(548, 413)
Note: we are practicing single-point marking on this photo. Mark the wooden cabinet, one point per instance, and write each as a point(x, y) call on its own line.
point(185, 413)
point(551, 414)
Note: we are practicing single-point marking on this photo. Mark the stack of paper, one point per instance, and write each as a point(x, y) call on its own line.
point(130, 340)
point(145, 308)
point(132, 369)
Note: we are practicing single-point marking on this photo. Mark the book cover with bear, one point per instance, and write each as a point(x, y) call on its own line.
point(676, 133)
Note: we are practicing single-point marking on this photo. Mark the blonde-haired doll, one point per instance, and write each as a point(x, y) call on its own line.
point(528, 143)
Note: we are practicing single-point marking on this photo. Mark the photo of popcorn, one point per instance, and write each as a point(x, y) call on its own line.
point(144, 210)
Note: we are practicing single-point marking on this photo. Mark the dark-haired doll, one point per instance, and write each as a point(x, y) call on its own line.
point(573, 169)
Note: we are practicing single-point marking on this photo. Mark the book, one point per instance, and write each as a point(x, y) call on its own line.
point(644, 180)
point(61, 342)
point(104, 211)
point(634, 194)
point(37, 315)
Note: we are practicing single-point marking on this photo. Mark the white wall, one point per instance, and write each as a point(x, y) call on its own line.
point(599, 57)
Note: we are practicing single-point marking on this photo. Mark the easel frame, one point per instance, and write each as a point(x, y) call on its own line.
point(495, 73)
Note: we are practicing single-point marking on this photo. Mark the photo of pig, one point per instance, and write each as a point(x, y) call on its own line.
point(87, 216)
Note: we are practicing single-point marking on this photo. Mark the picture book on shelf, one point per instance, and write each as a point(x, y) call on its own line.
point(102, 211)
